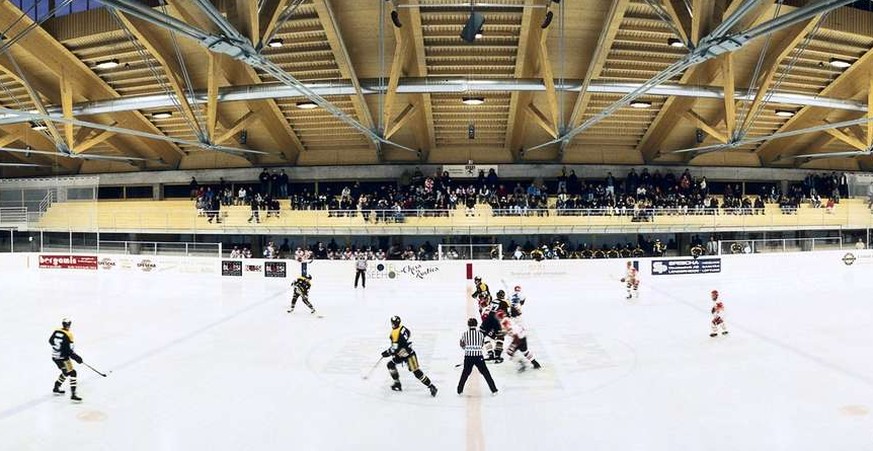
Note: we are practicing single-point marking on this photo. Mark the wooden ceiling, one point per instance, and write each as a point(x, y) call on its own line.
point(589, 43)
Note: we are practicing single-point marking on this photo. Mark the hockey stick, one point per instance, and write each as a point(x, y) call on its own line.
point(373, 368)
point(94, 369)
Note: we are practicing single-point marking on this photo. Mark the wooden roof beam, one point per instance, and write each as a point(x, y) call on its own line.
point(272, 12)
point(401, 120)
point(707, 128)
point(772, 61)
point(730, 105)
point(237, 127)
point(524, 65)
point(211, 96)
point(681, 20)
point(344, 62)
point(412, 30)
point(846, 138)
point(38, 141)
point(67, 108)
point(248, 22)
point(401, 54)
point(870, 111)
point(664, 121)
point(93, 141)
point(234, 73)
point(548, 76)
point(146, 35)
point(540, 119)
point(845, 86)
point(598, 59)
point(48, 57)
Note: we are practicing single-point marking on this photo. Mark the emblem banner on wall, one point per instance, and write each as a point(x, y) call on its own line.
point(686, 266)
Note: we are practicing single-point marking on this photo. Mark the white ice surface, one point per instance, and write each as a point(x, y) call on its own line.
point(204, 363)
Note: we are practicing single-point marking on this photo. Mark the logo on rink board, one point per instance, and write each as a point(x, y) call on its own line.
point(686, 266)
point(231, 268)
point(275, 269)
point(68, 262)
point(849, 258)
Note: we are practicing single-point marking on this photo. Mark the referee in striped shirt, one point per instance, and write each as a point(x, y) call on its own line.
point(472, 342)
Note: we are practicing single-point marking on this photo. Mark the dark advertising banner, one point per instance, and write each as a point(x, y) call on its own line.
point(275, 269)
point(231, 268)
point(686, 266)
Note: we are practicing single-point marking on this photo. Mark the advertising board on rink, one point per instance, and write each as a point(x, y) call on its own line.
point(232, 268)
point(275, 269)
point(686, 266)
point(68, 262)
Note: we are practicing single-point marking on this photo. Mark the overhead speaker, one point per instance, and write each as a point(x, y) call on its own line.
point(473, 26)
point(548, 20)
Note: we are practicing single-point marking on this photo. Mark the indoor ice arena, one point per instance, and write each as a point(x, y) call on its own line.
point(436, 225)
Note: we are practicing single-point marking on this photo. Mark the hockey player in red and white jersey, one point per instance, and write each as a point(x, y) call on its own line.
point(717, 315)
point(516, 332)
point(517, 299)
point(631, 281)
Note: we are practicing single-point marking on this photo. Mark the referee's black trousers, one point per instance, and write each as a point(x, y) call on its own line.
point(361, 274)
point(479, 363)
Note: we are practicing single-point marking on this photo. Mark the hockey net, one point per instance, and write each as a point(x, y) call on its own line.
point(470, 251)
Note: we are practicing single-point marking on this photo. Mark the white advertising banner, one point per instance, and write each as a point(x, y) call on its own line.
point(468, 171)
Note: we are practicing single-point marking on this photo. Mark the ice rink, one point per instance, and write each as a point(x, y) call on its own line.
point(210, 363)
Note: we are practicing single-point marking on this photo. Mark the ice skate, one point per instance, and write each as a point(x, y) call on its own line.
point(75, 397)
point(536, 365)
point(291, 310)
point(713, 334)
point(724, 333)
point(396, 387)
point(57, 389)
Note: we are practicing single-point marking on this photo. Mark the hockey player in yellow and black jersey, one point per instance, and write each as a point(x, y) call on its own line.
point(63, 350)
point(401, 352)
point(482, 293)
point(301, 290)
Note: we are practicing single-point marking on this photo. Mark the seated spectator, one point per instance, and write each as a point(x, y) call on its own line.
point(236, 252)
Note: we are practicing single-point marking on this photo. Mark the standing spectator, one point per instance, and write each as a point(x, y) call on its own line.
point(361, 271)
point(860, 245)
point(255, 215)
point(610, 184)
point(270, 251)
point(870, 195)
point(844, 184)
point(274, 184)
point(194, 186)
point(472, 342)
point(283, 184)
point(241, 196)
point(264, 178)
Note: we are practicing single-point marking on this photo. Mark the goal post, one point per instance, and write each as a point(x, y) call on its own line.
point(470, 251)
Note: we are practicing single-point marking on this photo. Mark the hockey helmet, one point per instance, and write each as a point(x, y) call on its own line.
point(309, 277)
point(66, 322)
point(714, 293)
point(517, 288)
point(395, 321)
point(477, 279)
point(501, 294)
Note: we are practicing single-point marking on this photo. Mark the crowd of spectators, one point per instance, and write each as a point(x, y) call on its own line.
point(638, 195)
